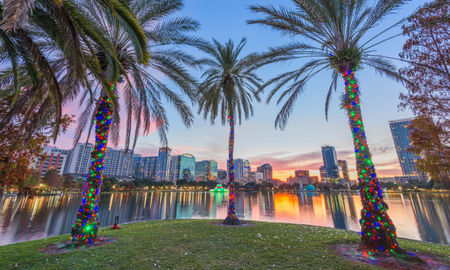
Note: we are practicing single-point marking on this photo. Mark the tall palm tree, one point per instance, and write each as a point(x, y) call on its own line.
point(32, 33)
point(227, 90)
point(141, 89)
point(339, 39)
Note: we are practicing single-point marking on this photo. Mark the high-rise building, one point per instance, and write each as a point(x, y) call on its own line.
point(80, 159)
point(146, 169)
point(221, 174)
point(238, 169)
point(55, 158)
point(344, 169)
point(186, 168)
point(266, 169)
point(174, 165)
point(162, 166)
point(137, 167)
point(206, 170)
point(118, 163)
point(400, 133)
point(330, 162)
point(323, 174)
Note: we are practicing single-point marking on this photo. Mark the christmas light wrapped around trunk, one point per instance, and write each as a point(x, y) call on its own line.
point(377, 230)
point(85, 228)
point(231, 218)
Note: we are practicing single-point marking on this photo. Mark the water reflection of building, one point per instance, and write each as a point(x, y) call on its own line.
point(24, 219)
point(432, 218)
point(335, 204)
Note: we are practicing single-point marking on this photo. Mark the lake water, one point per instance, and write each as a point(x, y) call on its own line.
point(423, 217)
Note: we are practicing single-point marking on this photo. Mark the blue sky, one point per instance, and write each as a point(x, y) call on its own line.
point(298, 146)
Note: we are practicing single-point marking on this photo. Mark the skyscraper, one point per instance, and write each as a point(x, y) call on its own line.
point(330, 162)
point(80, 159)
point(266, 169)
point(118, 162)
point(186, 168)
point(162, 166)
point(239, 169)
point(400, 133)
point(206, 170)
point(344, 169)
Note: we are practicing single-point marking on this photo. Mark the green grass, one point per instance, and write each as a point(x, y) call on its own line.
point(198, 244)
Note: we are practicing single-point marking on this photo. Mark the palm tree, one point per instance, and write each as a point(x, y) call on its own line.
point(142, 88)
point(338, 35)
point(32, 33)
point(227, 90)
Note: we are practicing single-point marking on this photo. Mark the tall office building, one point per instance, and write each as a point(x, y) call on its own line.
point(239, 169)
point(206, 170)
point(80, 159)
point(400, 133)
point(323, 174)
point(118, 163)
point(330, 162)
point(55, 158)
point(174, 165)
point(266, 169)
point(221, 174)
point(144, 168)
point(162, 166)
point(344, 169)
point(186, 168)
point(137, 167)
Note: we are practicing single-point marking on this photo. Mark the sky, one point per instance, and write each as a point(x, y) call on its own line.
point(299, 145)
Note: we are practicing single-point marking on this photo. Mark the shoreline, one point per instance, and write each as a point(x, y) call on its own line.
point(242, 190)
point(187, 244)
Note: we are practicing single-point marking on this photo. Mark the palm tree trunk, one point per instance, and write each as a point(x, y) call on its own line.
point(377, 230)
point(85, 228)
point(231, 217)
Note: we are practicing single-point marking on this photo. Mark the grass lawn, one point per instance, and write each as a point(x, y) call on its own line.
point(198, 244)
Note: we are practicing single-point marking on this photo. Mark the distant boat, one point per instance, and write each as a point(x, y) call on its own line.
point(219, 188)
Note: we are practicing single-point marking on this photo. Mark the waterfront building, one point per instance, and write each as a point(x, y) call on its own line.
point(266, 170)
point(257, 177)
point(323, 174)
point(400, 133)
point(302, 177)
point(118, 163)
point(54, 158)
point(174, 165)
point(206, 170)
point(80, 159)
point(330, 162)
point(239, 170)
point(343, 169)
point(162, 166)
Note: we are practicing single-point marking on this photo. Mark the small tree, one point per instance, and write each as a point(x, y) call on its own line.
point(18, 147)
point(53, 179)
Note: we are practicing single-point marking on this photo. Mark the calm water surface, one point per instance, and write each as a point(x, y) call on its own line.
point(417, 216)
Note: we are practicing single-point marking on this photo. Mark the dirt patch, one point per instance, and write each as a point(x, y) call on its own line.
point(67, 246)
point(242, 224)
point(352, 252)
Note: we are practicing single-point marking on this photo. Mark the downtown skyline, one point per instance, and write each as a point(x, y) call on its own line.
point(298, 147)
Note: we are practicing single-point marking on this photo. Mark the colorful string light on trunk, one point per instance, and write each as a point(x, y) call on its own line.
point(377, 230)
point(86, 226)
point(231, 219)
